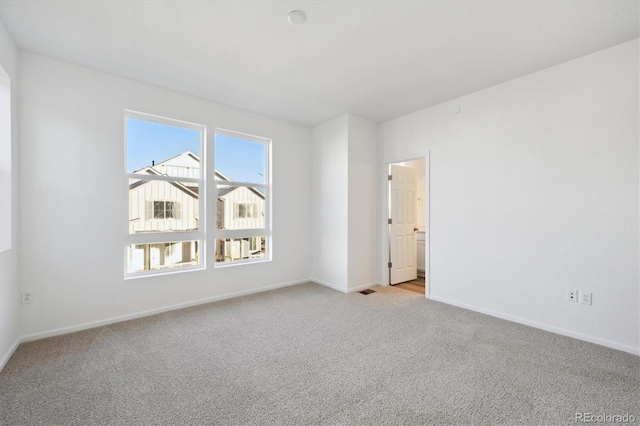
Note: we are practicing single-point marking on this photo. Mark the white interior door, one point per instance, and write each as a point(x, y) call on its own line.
point(402, 236)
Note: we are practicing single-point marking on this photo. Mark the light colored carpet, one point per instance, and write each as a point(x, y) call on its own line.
point(310, 355)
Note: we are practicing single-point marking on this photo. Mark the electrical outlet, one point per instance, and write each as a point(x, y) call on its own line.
point(585, 298)
point(572, 295)
point(26, 297)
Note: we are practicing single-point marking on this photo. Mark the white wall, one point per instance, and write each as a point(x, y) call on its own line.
point(73, 198)
point(9, 283)
point(329, 204)
point(534, 189)
point(363, 214)
point(345, 155)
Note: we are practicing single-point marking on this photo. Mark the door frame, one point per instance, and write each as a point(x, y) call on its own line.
point(384, 225)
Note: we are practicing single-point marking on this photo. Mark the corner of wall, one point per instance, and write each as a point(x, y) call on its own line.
point(9, 271)
point(330, 203)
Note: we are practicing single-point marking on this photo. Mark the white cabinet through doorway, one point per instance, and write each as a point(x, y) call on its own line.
point(421, 250)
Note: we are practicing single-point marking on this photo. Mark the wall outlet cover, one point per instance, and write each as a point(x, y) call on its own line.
point(26, 297)
point(585, 298)
point(572, 295)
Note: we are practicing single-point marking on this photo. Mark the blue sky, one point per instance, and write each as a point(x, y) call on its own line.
point(147, 141)
point(240, 160)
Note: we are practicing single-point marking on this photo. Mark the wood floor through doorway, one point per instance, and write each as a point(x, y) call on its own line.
point(417, 285)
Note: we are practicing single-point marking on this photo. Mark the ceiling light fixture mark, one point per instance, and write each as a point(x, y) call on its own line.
point(296, 17)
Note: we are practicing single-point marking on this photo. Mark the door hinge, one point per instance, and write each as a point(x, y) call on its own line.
point(389, 265)
point(390, 177)
point(389, 220)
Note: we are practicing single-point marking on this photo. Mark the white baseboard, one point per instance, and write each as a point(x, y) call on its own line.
point(326, 284)
point(542, 326)
point(342, 290)
point(127, 317)
point(361, 287)
point(5, 358)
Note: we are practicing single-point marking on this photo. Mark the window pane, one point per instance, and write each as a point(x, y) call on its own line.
point(160, 256)
point(240, 160)
point(158, 148)
point(240, 207)
point(237, 249)
point(159, 206)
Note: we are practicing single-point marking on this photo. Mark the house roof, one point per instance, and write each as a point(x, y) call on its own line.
point(191, 191)
point(186, 188)
point(224, 191)
point(164, 162)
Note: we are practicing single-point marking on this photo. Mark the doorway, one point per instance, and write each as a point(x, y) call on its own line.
point(407, 227)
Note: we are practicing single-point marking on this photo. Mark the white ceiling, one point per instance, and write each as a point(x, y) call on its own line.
point(375, 59)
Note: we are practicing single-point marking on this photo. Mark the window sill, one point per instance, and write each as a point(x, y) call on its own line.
point(135, 276)
point(221, 265)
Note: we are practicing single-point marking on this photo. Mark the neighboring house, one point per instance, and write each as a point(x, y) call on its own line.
point(239, 207)
point(160, 206)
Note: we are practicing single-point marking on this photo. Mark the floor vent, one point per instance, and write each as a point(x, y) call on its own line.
point(367, 291)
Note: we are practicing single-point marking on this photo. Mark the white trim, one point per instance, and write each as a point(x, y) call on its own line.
point(220, 182)
point(141, 314)
point(10, 352)
point(163, 120)
point(148, 177)
point(6, 147)
point(231, 263)
point(326, 284)
point(427, 190)
point(159, 272)
point(242, 233)
point(164, 237)
point(361, 287)
point(541, 326)
point(241, 135)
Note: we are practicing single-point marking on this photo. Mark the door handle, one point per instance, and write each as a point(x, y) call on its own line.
point(415, 229)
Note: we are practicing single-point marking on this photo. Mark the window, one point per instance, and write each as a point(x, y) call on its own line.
point(163, 209)
point(165, 190)
point(246, 210)
point(5, 161)
point(243, 203)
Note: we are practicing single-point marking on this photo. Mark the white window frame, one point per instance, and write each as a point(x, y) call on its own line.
point(172, 236)
point(6, 181)
point(266, 232)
